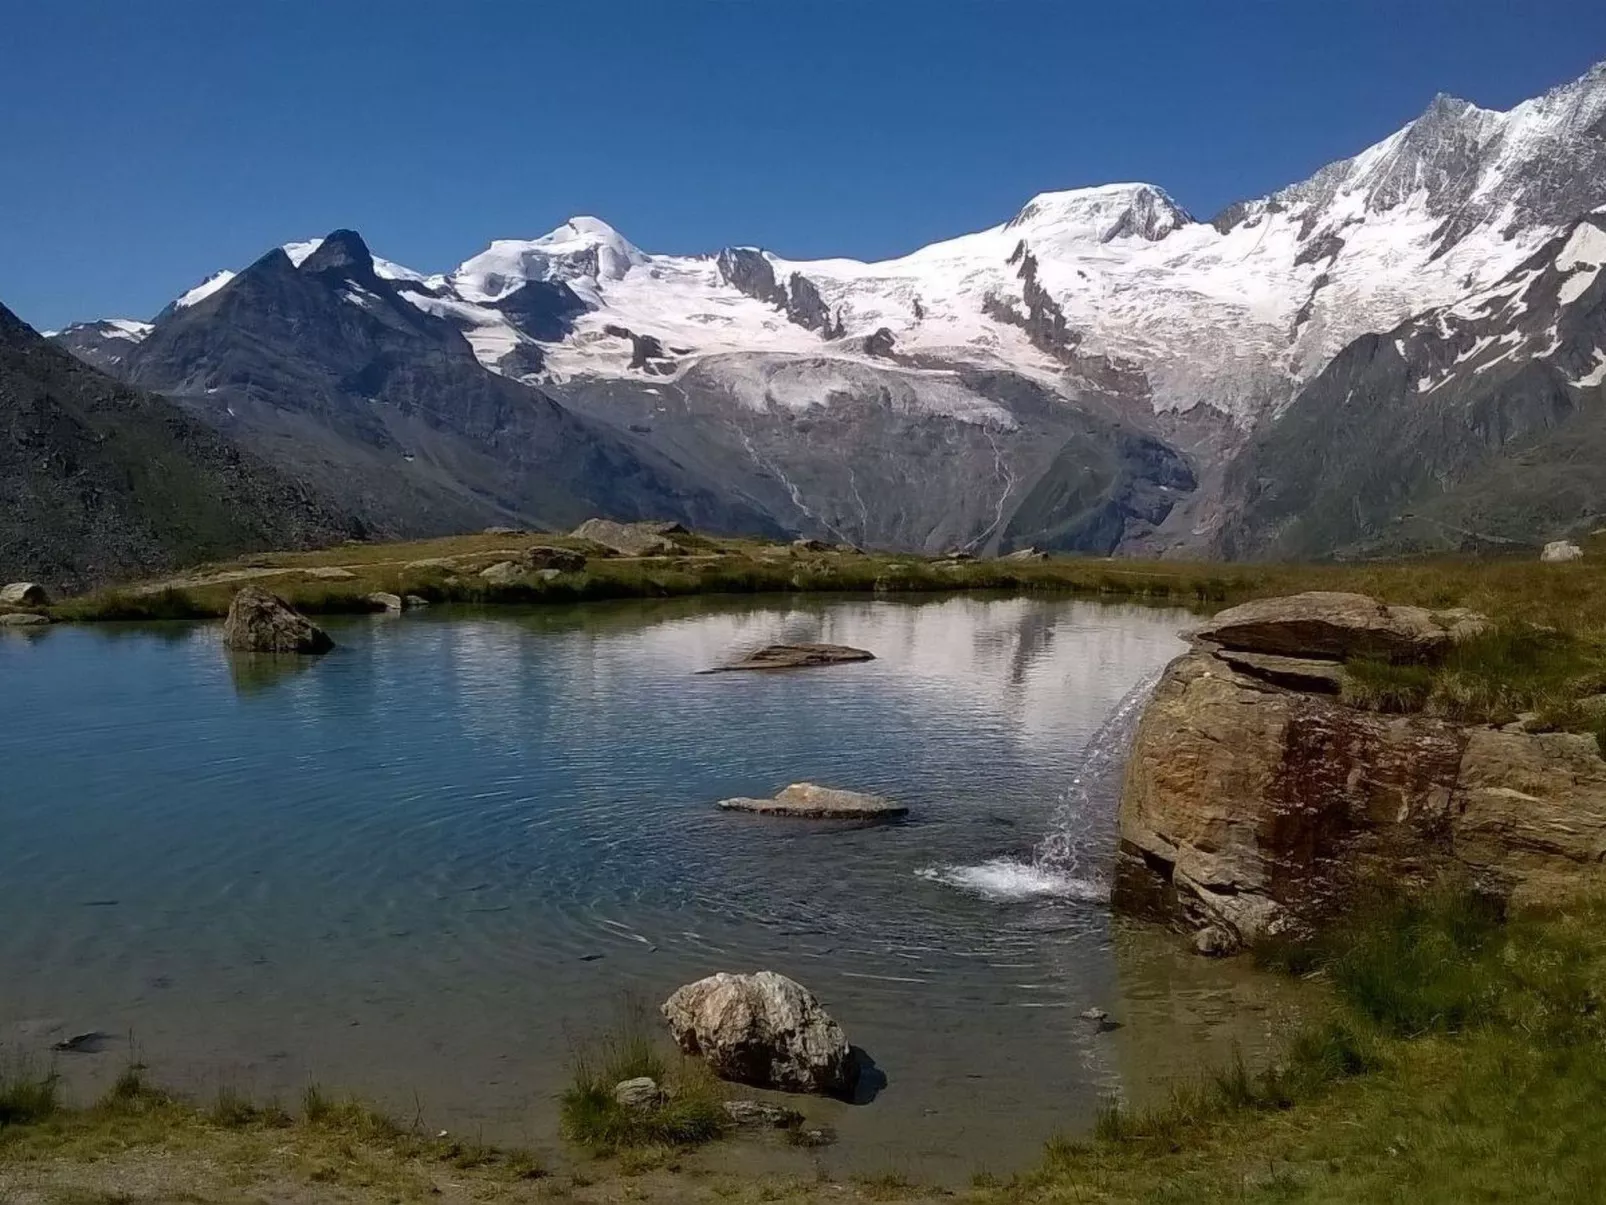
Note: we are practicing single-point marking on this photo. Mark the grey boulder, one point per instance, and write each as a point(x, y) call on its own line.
point(260, 622)
point(24, 594)
point(764, 1030)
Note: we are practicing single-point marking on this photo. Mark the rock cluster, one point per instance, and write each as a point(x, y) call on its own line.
point(764, 1030)
point(1256, 800)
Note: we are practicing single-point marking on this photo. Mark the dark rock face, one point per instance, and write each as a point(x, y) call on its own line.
point(869, 465)
point(746, 269)
point(260, 622)
point(1471, 427)
point(328, 370)
point(103, 345)
point(543, 309)
point(99, 481)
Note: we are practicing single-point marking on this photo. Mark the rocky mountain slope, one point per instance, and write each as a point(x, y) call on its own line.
point(1083, 374)
point(99, 481)
point(316, 361)
point(1477, 423)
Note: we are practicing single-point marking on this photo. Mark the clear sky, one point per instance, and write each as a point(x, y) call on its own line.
point(143, 145)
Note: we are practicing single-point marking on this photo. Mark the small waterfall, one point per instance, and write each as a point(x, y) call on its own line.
point(1072, 861)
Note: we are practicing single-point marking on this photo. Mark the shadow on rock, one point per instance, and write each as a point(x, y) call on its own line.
point(868, 1081)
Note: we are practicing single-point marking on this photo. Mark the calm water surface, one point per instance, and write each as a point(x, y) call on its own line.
point(423, 866)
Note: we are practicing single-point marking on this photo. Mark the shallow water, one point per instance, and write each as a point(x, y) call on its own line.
point(422, 866)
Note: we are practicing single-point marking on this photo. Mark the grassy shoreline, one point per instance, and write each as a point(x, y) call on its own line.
point(447, 570)
point(1462, 1058)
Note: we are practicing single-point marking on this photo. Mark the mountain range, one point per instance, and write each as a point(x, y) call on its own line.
point(1401, 353)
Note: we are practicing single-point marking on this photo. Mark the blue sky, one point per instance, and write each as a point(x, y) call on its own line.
point(144, 145)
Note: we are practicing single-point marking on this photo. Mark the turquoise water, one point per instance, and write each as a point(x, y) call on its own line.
point(422, 866)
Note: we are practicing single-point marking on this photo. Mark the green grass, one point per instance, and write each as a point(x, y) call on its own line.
point(691, 1113)
point(1464, 1059)
point(26, 1096)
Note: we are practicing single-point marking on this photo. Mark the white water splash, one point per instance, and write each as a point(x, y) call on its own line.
point(1071, 862)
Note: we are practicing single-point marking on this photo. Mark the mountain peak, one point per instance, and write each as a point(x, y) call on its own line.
point(1103, 213)
point(341, 250)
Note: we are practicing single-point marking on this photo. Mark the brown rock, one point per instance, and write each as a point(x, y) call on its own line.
point(1296, 673)
point(260, 622)
point(1251, 807)
point(543, 556)
point(807, 800)
point(795, 656)
point(1324, 624)
point(1530, 811)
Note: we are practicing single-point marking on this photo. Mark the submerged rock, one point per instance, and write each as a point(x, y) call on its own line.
point(805, 799)
point(24, 619)
point(260, 622)
point(762, 1029)
point(760, 1115)
point(795, 656)
point(24, 594)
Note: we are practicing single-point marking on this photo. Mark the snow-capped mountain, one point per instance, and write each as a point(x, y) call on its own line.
point(103, 344)
point(1234, 313)
point(1478, 423)
point(960, 370)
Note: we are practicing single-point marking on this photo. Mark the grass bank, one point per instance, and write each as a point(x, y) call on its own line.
point(1462, 1059)
point(1564, 596)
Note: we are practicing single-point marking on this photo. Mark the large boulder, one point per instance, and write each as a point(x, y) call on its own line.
point(1256, 800)
point(1251, 807)
point(630, 539)
point(260, 622)
point(24, 594)
point(765, 1030)
point(1561, 550)
point(1328, 624)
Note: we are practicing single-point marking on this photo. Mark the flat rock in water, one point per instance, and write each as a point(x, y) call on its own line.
point(795, 656)
point(384, 601)
point(23, 619)
point(812, 802)
point(260, 622)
